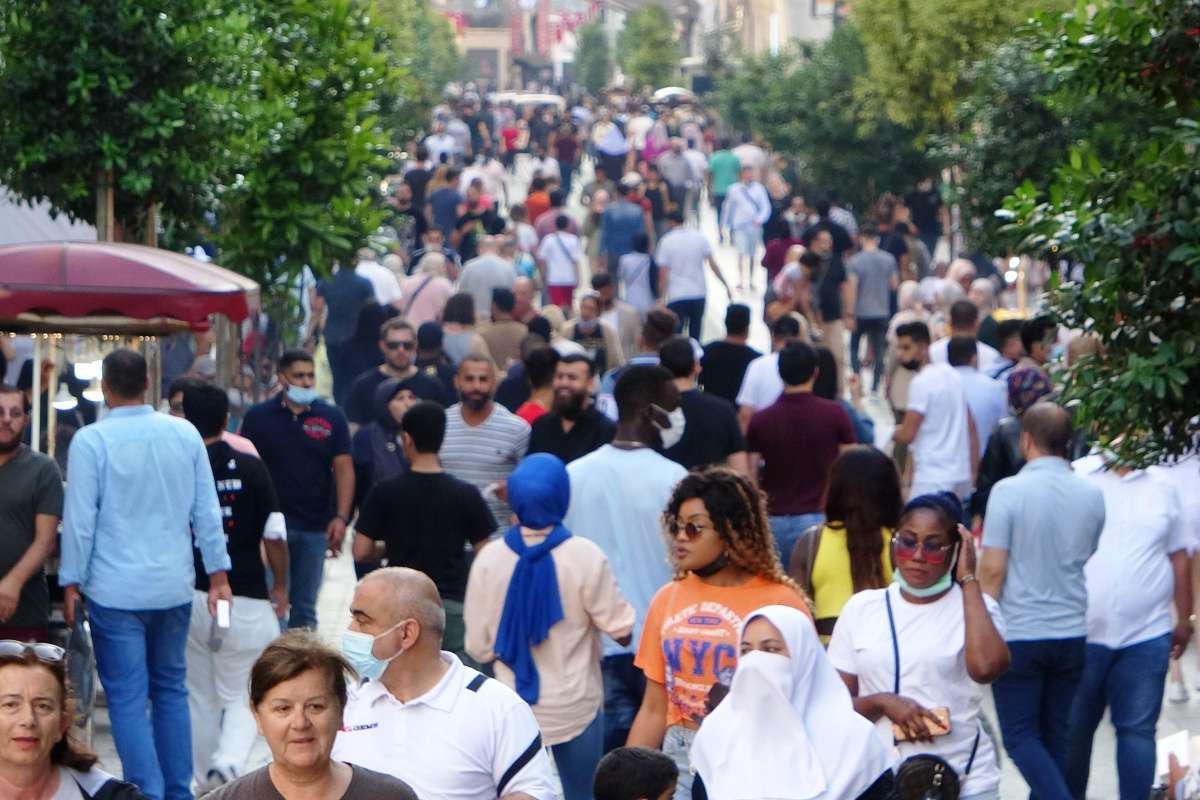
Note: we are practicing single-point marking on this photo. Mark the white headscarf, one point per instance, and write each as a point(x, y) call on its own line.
point(787, 729)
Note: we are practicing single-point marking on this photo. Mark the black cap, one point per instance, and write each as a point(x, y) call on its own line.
point(429, 336)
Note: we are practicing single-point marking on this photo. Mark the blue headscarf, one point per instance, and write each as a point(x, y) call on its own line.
point(538, 492)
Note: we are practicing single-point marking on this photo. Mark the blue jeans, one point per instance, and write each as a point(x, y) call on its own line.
point(691, 316)
point(1033, 704)
point(624, 686)
point(306, 570)
point(577, 759)
point(142, 660)
point(787, 530)
point(1129, 682)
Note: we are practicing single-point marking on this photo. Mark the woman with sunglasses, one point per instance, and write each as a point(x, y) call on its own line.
point(913, 654)
point(39, 759)
point(725, 567)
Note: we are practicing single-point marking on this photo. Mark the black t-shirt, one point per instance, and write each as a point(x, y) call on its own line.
point(924, 207)
point(360, 403)
point(475, 225)
point(723, 367)
point(711, 434)
point(298, 450)
point(442, 372)
point(417, 179)
point(591, 431)
point(514, 389)
point(426, 519)
point(29, 485)
point(247, 498)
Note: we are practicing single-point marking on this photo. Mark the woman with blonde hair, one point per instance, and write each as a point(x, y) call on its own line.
point(723, 552)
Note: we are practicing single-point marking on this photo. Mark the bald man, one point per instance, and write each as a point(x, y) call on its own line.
point(420, 714)
point(524, 291)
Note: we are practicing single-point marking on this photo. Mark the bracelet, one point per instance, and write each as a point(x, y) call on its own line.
point(965, 579)
point(344, 519)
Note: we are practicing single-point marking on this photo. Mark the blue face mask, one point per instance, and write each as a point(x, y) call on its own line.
point(301, 395)
point(936, 588)
point(358, 649)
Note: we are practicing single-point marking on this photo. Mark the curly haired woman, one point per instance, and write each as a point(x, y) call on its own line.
point(725, 567)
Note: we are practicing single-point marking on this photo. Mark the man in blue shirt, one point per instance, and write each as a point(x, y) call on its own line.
point(622, 221)
point(345, 295)
point(305, 444)
point(141, 487)
point(1042, 526)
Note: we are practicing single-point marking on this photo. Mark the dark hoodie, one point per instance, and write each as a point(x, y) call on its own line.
point(377, 451)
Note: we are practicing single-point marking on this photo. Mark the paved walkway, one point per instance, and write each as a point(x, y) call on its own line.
point(338, 588)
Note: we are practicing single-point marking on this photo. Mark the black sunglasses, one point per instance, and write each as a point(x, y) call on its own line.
point(690, 529)
point(397, 345)
point(50, 653)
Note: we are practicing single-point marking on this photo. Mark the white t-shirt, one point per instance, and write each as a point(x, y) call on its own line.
point(634, 272)
point(682, 252)
point(933, 671)
point(761, 385)
point(987, 357)
point(383, 281)
point(560, 251)
point(942, 449)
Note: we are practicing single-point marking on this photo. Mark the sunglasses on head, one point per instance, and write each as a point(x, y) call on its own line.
point(51, 653)
point(690, 529)
point(398, 345)
point(906, 549)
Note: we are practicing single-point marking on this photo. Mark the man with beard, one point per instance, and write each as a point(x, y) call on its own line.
point(574, 427)
point(31, 500)
point(484, 440)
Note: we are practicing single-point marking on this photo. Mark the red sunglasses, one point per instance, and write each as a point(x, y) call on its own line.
point(906, 548)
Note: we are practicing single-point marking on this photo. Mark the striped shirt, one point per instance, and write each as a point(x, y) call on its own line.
point(486, 453)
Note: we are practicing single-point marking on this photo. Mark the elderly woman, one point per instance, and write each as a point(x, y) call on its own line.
point(39, 759)
point(298, 693)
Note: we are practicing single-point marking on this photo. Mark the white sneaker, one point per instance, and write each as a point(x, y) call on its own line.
point(1177, 692)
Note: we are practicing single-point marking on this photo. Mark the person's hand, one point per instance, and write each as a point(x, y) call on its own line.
point(1180, 637)
point(966, 554)
point(10, 594)
point(71, 601)
point(335, 534)
point(218, 589)
point(279, 600)
point(912, 718)
point(1175, 773)
point(855, 386)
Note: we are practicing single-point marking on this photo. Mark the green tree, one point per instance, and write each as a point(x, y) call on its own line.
point(1132, 221)
point(592, 58)
point(303, 192)
point(151, 94)
point(807, 108)
point(424, 58)
point(647, 48)
point(919, 52)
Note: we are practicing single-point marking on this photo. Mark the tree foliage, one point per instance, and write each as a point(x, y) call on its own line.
point(919, 52)
point(424, 57)
point(1132, 220)
point(593, 58)
point(647, 49)
point(151, 93)
point(807, 108)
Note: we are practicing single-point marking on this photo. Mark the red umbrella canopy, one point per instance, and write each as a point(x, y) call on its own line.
point(83, 279)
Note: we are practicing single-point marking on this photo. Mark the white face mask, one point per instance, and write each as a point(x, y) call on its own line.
point(672, 435)
point(773, 668)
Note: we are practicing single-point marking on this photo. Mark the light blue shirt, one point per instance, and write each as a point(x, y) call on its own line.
point(1049, 520)
point(139, 485)
point(617, 500)
point(987, 398)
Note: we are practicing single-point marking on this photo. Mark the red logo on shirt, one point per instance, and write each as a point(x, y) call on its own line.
point(317, 428)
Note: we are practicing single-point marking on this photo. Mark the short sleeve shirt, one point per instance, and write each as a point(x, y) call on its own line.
point(485, 454)
point(761, 385)
point(30, 485)
point(682, 253)
point(712, 433)
point(723, 367)
point(298, 450)
point(689, 640)
point(560, 251)
point(365, 784)
point(941, 451)
point(874, 270)
point(345, 294)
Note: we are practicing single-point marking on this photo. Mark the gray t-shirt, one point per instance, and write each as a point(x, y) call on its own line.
point(365, 784)
point(480, 276)
point(485, 454)
point(29, 485)
point(874, 270)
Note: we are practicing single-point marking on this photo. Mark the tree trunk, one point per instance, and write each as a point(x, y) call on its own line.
point(105, 212)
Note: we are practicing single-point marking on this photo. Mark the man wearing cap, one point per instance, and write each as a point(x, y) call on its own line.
point(624, 220)
point(432, 362)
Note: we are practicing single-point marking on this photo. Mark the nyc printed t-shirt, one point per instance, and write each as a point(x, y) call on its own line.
point(690, 637)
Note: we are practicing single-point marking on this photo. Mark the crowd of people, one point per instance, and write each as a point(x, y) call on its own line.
point(597, 555)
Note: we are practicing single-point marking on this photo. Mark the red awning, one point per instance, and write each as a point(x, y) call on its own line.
point(107, 279)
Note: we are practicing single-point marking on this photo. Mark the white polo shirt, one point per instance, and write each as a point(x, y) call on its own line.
point(761, 384)
point(470, 737)
point(1130, 582)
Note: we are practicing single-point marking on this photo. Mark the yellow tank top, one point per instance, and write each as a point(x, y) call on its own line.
point(832, 583)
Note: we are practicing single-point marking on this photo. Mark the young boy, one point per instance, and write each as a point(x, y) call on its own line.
point(635, 773)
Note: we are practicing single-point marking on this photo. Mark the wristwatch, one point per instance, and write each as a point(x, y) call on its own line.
point(965, 579)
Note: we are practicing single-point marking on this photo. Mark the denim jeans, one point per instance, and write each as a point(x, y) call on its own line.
point(142, 662)
point(691, 316)
point(624, 686)
point(306, 570)
point(1033, 704)
point(677, 745)
point(577, 759)
point(1129, 682)
point(876, 332)
point(787, 530)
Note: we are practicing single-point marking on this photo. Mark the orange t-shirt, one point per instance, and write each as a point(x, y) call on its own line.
point(689, 640)
point(536, 204)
